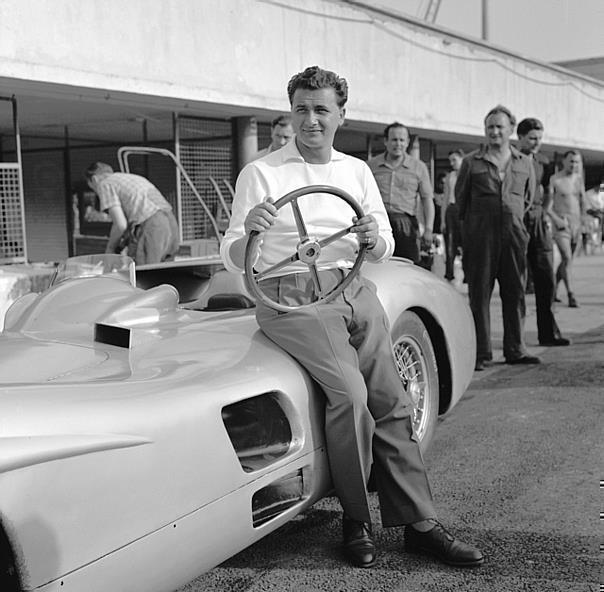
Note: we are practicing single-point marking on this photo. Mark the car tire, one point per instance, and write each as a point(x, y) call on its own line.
point(417, 367)
point(9, 579)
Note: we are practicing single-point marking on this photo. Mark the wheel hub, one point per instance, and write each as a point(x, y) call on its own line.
point(415, 391)
point(309, 251)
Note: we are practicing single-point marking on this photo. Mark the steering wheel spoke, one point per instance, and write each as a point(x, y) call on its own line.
point(316, 280)
point(302, 232)
point(262, 274)
point(334, 237)
point(308, 251)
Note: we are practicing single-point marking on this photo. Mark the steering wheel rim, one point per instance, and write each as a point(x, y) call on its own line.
point(308, 248)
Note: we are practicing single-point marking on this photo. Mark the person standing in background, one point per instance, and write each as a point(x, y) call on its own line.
point(451, 226)
point(540, 257)
point(401, 178)
point(281, 133)
point(142, 219)
point(566, 210)
point(494, 189)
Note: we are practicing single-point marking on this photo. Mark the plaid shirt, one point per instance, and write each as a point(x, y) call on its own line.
point(137, 196)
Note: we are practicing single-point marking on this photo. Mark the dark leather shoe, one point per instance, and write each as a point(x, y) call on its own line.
point(358, 543)
point(524, 360)
point(440, 543)
point(557, 341)
point(572, 302)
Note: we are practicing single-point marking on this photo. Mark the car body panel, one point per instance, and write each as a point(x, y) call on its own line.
point(116, 469)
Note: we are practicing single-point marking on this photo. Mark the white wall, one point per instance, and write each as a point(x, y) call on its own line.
point(242, 52)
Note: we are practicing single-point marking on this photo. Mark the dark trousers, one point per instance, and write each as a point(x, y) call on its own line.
point(452, 239)
point(405, 229)
point(540, 260)
point(494, 248)
point(345, 346)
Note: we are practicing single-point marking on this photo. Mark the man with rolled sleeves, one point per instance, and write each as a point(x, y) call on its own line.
point(494, 189)
point(401, 178)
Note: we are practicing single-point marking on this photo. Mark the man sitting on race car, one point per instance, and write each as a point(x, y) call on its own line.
point(345, 343)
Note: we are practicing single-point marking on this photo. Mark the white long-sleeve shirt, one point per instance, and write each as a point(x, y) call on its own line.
point(284, 170)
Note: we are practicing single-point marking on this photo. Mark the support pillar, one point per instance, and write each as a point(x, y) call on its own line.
point(245, 141)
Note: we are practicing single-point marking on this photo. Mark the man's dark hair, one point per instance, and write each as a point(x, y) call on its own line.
point(504, 110)
point(282, 121)
point(528, 125)
point(396, 125)
point(315, 78)
point(97, 167)
point(457, 151)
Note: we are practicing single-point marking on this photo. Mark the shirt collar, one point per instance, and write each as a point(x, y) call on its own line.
point(290, 152)
point(483, 153)
point(384, 162)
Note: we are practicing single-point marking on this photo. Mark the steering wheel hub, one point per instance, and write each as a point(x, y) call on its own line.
point(309, 251)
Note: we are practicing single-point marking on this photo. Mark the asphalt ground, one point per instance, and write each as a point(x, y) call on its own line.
point(515, 469)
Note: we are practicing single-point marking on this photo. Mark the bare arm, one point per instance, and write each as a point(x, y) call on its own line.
point(118, 227)
point(582, 200)
point(426, 193)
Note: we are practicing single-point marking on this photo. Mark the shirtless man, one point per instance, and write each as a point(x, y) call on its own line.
point(566, 209)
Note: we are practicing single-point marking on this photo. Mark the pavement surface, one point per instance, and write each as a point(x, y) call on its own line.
point(514, 469)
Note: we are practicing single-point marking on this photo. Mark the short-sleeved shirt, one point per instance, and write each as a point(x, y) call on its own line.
point(399, 186)
point(284, 170)
point(137, 196)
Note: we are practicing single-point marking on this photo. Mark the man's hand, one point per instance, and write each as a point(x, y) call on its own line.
point(427, 239)
point(367, 230)
point(261, 217)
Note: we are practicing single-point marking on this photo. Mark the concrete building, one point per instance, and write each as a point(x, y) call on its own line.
point(204, 78)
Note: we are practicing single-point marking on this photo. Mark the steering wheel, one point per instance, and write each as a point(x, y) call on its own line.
point(308, 251)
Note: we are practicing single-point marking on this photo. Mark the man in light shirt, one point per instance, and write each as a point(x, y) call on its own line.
point(345, 343)
point(402, 178)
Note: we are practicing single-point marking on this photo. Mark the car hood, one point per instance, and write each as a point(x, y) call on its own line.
point(24, 360)
point(180, 344)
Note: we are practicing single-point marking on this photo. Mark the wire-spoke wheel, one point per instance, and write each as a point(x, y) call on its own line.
point(417, 368)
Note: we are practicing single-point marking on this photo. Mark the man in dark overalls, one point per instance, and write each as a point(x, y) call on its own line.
point(494, 189)
point(540, 248)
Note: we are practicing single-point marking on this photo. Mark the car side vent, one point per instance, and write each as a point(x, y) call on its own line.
point(112, 335)
point(259, 430)
point(274, 499)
